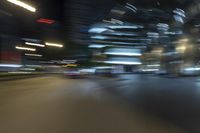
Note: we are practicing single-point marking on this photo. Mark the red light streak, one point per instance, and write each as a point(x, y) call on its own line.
point(46, 21)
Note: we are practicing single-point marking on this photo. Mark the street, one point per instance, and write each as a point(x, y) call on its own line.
point(99, 66)
point(173, 99)
point(130, 103)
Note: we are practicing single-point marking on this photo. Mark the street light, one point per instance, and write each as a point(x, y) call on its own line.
point(22, 4)
point(25, 48)
point(54, 44)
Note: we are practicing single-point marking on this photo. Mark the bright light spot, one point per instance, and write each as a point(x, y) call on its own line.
point(87, 70)
point(192, 69)
point(163, 26)
point(154, 65)
point(25, 48)
point(35, 55)
point(10, 65)
point(153, 34)
point(97, 30)
point(34, 44)
point(150, 70)
point(123, 62)
point(179, 12)
point(124, 27)
point(54, 44)
point(99, 37)
point(98, 46)
point(22, 4)
point(181, 49)
point(178, 18)
point(123, 53)
point(104, 67)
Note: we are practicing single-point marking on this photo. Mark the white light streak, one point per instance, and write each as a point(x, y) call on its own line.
point(22, 4)
point(123, 62)
point(192, 69)
point(135, 8)
point(11, 65)
point(35, 55)
point(34, 44)
point(123, 53)
point(97, 30)
point(150, 70)
point(25, 48)
point(154, 65)
point(130, 9)
point(98, 46)
point(104, 67)
point(125, 27)
point(100, 37)
point(54, 44)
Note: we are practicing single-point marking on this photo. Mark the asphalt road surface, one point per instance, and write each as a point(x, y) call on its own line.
point(172, 99)
point(130, 103)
